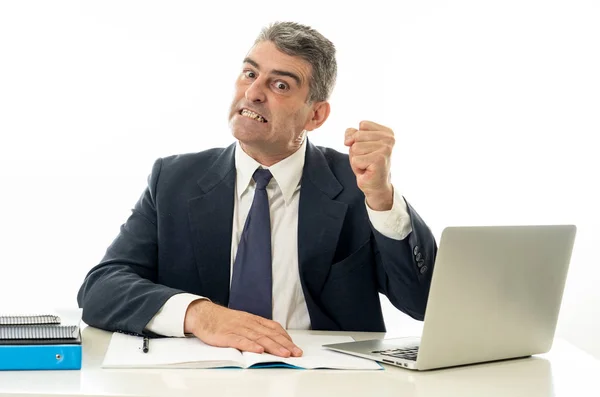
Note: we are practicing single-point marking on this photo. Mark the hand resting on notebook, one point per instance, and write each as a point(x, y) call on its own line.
point(219, 326)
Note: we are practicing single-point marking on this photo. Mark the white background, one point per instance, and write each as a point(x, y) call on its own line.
point(495, 106)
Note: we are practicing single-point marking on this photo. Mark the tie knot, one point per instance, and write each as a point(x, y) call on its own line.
point(262, 178)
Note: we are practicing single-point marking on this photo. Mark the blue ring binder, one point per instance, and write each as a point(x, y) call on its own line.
point(39, 343)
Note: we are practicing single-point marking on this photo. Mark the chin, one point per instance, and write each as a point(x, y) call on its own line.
point(245, 133)
point(245, 136)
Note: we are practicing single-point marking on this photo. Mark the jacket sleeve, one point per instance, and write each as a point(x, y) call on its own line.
point(404, 267)
point(120, 293)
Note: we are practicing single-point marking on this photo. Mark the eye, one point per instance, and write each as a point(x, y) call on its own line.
point(249, 74)
point(280, 85)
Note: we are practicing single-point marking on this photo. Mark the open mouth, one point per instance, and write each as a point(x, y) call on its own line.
point(252, 115)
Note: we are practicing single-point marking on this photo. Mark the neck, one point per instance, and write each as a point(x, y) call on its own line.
point(267, 156)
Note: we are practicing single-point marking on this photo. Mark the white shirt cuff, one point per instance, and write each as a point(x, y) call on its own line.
point(170, 318)
point(394, 223)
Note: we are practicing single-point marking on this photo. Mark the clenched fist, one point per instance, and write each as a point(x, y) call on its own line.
point(370, 158)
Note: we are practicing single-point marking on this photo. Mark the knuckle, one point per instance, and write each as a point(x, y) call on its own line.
point(263, 340)
point(278, 329)
point(270, 324)
point(273, 331)
point(252, 335)
point(236, 340)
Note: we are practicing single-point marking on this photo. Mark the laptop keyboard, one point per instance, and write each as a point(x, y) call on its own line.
point(407, 353)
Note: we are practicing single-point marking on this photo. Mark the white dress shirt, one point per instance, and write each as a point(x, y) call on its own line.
point(289, 306)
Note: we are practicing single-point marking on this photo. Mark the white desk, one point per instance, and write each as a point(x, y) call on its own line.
point(565, 371)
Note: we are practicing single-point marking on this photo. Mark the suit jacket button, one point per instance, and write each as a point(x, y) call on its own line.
point(416, 250)
point(423, 269)
point(420, 263)
point(418, 257)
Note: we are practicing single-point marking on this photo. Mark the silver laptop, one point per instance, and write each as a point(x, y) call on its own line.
point(495, 294)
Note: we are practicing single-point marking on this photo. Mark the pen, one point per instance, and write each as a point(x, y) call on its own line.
point(146, 346)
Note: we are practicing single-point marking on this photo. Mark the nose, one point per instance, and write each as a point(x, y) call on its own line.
point(255, 92)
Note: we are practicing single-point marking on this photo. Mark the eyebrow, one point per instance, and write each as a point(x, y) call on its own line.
point(276, 72)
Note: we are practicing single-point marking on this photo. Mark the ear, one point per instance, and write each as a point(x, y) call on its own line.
point(319, 113)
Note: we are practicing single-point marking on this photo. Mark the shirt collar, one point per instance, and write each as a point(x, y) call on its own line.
point(287, 173)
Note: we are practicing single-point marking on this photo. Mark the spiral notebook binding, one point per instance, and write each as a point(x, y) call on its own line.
point(45, 319)
point(38, 332)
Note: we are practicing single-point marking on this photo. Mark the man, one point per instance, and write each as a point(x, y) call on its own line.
point(236, 245)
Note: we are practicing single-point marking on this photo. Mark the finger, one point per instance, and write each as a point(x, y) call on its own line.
point(357, 164)
point(242, 343)
point(372, 136)
point(267, 341)
point(288, 344)
point(276, 332)
point(273, 347)
point(348, 136)
point(365, 161)
point(270, 345)
point(274, 326)
point(360, 148)
point(372, 126)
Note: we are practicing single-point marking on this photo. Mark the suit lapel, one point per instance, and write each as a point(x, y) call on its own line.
point(320, 220)
point(211, 220)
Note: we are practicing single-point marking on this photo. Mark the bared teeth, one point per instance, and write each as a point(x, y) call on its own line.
point(252, 115)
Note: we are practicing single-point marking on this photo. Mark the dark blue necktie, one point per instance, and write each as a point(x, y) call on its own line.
point(251, 283)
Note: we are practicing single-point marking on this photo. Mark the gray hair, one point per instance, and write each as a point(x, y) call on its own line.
point(302, 41)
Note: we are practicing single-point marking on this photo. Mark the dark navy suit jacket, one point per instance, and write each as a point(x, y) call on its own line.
point(178, 239)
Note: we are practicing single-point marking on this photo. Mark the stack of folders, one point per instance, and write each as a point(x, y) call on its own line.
point(40, 342)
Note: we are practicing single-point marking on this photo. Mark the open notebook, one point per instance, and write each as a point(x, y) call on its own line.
point(125, 351)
